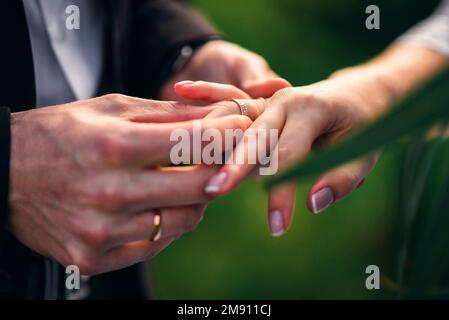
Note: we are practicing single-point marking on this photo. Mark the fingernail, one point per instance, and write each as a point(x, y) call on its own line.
point(185, 83)
point(322, 200)
point(216, 183)
point(276, 223)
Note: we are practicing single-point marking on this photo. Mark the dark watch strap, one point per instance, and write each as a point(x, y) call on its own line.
point(5, 153)
point(177, 59)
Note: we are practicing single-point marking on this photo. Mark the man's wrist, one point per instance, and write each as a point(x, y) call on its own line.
point(5, 154)
point(178, 58)
point(186, 52)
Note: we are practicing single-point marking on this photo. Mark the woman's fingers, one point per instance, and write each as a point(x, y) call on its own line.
point(208, 91)
point(296, 134)
point(294, 144)
point(215, 92)
point(339, 183)
point(281, 205)
point(245, 158)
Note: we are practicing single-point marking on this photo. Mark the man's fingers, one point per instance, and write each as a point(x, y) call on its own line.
point(266, 88)
point(339, 183)
point(152, 144)
point(208, 91)
point(128, 255)
point(149, 111)
point(174, 222)
point(180, 220)
point(281, 205)
point(135, 244)
point(177, 186)
point(167, 112)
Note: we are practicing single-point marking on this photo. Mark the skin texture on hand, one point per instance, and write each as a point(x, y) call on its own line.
point(318, 115)
point(86, 179)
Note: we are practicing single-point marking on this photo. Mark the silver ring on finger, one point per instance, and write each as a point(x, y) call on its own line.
point(157, 222)
point(242, 106)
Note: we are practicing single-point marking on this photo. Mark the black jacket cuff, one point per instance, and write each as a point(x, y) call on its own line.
point(161, 29)
point(5, 153)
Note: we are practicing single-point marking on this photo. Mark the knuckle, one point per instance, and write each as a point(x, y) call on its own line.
point(305, 98)
point(284, 93)
point(111, 150)
point(87, 262)
point(108, 197)
point(241, 122)
point(116, 103)
point(115, 97)
point(244, 56)
point(96, 235)
point(262, 62)
point(308, 100)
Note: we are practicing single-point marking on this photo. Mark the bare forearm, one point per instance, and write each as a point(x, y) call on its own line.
point(395, 73)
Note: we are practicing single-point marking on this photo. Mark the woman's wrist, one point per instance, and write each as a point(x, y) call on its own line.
point(368, 88)
point(385, 80)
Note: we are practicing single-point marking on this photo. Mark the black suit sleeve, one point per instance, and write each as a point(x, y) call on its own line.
point(159, 30)
point(5, 146)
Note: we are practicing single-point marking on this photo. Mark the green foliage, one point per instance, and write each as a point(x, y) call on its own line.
point(425, 261)
point(231, 255)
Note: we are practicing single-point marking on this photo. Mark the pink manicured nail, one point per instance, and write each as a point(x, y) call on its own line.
point(322, 199)
point(185, 83)
point(276, 221)
point(216, 183)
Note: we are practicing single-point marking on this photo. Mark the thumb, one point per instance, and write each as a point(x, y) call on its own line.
point(339, 183)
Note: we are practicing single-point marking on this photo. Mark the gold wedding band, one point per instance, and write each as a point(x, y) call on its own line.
point(157, 221)
point(242, 106)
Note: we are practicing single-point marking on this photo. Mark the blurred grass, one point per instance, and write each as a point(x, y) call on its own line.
point(231, 255)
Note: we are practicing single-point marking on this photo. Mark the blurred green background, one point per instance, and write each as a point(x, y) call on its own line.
point(232, 255)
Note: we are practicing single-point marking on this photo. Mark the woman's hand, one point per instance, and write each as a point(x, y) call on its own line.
point(320, 114)
point(306, 117)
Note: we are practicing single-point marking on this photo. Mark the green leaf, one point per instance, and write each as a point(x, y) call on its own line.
point(427, 106)
point(417, 167)
point(429, 261)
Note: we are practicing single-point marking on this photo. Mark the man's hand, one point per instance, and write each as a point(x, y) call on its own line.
point(86, 181)
point(223, 62)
